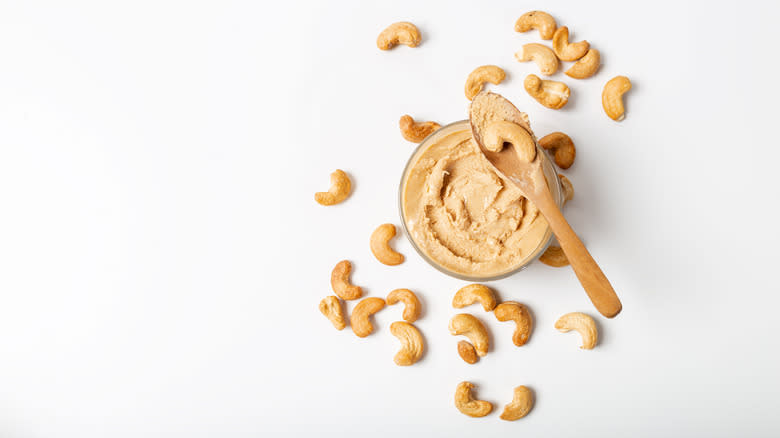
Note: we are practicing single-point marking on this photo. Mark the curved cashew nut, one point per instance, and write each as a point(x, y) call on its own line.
point(568, 189)
point(340, 186)
point(521, 404)
point(411, 303)
point(537, 20)
point(587, 66)
point(542, 55)
point(551, 94)
point(467, 352)
point(512, 311)
point(561, 146)
point(564, 49)
point(359, 320)
point(402, 32)
point(472, 328)
point(477, 78)
point(612, 97)
point(467, 404)
point(339, 281)
point(583, 324)
point(331, 307)
point(380, 245)
point(412, 344)
point(554, 256)
point(416, 131)
point(504, 131)
point(472, 293)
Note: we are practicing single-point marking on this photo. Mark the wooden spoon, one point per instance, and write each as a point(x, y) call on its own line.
point(528, 176)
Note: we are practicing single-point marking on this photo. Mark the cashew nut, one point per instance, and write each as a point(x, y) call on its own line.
point(339, 281)
point(380, 245)
point(398, 33)
point(512, 311)
point(521, 404)
point(416, 131)
point(542, 55)
point(472, 293)
point(467, 404)
point(537, 20)
point(564, 49)
point(583, 324)
point(359, 320)
point(411, 303)
point(467, 352)
point(504, 131)
point(331, 307)
point(612, 97)
point(412, 344)
point(472, 328)
point(340, 186)
point(587, 66)
point(568, 189)
point(477, 78)
point(551, 94)
point(554, 256)
point(561, 146)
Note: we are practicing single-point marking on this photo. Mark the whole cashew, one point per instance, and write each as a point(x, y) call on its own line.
point(587, 66)
point(380, 245)
point(411, 303)
point(467, 404)
point(331, 307)
point(512, 311)
point(551, 94)
point(477, 79)
point(503, 131)
point(402, 32)
point(537, 20)
point(568, 189)
point(554, 256)
point(583, 324)
point(340, 186)
point(561, 145)
point(542, 55)
point(416, 131)
point(564, 49)
point(472, 328)
point(522, 402)
point(359, 320)
point(412, 344)
point(612, 97)
point(472, 293)
point(339, 281)
point(467, 352)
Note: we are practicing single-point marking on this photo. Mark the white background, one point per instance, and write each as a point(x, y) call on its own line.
point(162, 257)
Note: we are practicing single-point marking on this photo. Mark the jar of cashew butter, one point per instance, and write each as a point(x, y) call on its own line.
point(464, 218)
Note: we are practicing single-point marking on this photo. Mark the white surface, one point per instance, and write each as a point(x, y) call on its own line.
point(161, 256)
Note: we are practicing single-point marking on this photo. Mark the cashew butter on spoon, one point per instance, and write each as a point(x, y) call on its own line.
point(504, 137)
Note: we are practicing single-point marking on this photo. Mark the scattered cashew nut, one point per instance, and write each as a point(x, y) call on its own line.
point(561, 146)
point(612, 97)
point(411, 303)
point(412, 344)
point(565, 50)
point(504, 131)
point(467, 404)
point(472, 328)
point(512, 311)
point(568, 189)
point(554, 256)
point(402, 32)
point(543, 56)
point(339, 281)
point(477, 79)
point(331, 307)
point(521, 404)
point(340, 187)
point(416, 131)
point(551, 94)
point(583, 324)
point(587, 66)
point(359, 320)
point(467, 352)
point(472, 293)
point(380, 245)
point(542, 21)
